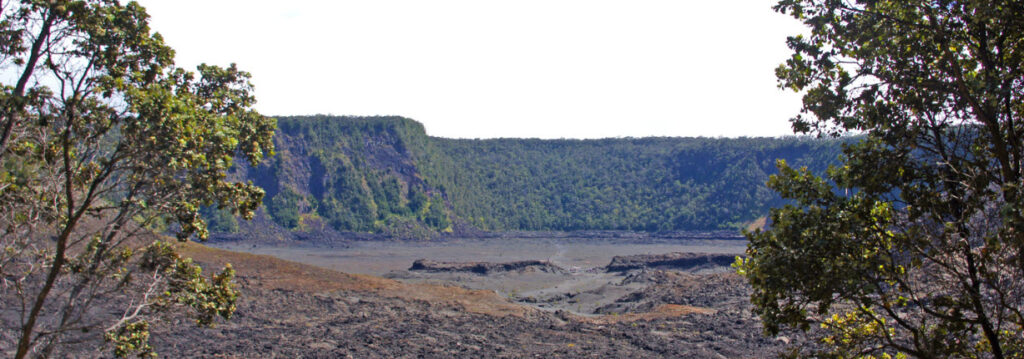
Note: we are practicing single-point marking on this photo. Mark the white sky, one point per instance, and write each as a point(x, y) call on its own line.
point(483, 68)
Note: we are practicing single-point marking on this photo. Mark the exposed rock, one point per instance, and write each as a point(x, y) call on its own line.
point(293, 310)
point(272, 323)
point(485, 267)
point(678, 261)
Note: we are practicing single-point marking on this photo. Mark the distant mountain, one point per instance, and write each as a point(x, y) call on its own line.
point(385, 175)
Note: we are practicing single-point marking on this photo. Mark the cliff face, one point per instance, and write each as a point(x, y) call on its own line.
point(349, 174)
point(385, 175)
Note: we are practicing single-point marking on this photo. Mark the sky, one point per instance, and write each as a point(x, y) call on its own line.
point(488, 69)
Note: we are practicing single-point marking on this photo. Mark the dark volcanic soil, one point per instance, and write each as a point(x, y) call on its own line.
point(667, 313)
point(292, 310)
point(283, 323)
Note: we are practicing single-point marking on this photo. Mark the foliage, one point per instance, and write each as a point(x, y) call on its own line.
point(101, 138)
point(219, 220)
point(284, 208)
point(356, 174)
point(185, 286)
point(363, 174)
point(913, 246)
point(132, 338)
point(647, 184)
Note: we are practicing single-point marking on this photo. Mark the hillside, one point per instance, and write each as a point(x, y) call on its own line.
point(385, 175)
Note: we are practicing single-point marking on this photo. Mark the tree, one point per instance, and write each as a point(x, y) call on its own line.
point(103, 140)
point(914, 246)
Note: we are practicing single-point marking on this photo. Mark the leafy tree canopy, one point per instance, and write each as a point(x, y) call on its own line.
point(913, 246)
point(102, 140)
point(381, 173)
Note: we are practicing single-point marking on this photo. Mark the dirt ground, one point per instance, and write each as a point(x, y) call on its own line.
point(381, 257)
point(582, 311)
point(299, 310)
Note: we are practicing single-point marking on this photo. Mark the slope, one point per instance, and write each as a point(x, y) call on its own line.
point(385, 175)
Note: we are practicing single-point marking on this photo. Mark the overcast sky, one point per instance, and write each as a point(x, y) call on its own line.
point(484, 69)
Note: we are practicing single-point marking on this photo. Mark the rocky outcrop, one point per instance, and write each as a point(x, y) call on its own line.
point(678, 261)
point(485, 267)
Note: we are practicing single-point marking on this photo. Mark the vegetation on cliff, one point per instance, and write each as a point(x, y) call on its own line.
point(384, 174)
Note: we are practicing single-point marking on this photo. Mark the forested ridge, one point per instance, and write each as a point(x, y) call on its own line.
point(384, 174)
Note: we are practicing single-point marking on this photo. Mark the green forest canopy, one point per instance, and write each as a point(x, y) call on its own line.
point(373, 174)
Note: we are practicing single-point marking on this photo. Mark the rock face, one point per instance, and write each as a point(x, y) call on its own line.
point(677, 261)
point(485, 267)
